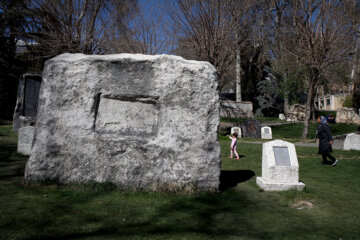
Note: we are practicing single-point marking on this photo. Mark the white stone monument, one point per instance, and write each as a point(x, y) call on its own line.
point(266, 133)
point(25, 140)
point(282, 116)
point(236, 130)
point(280, 168)
point(352, 142)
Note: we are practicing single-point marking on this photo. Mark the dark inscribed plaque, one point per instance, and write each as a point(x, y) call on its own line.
point(282, 157)
point(31, 96)
point(266, 130)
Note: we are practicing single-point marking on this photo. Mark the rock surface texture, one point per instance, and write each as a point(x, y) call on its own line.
point(136, 121)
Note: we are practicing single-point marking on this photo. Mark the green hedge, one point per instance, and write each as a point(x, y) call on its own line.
point(324, 113)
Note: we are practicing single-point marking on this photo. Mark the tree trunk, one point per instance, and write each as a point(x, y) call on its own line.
point(314, 77)
point(286, 96)
point(356, 93)
point(238, 75)
point(355, 79)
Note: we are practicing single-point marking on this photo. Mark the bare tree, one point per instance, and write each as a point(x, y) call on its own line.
point(205, 30)
point(75, 25)
point(354, 12)
point(321, 33)
point(242, 24)
point(149, 32)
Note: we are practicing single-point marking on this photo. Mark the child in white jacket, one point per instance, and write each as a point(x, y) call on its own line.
point(233, 146)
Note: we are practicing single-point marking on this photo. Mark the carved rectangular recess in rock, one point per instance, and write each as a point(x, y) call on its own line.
point(282, 157)
point(127, 115)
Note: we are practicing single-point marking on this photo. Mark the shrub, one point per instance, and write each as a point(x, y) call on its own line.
point(348, 102)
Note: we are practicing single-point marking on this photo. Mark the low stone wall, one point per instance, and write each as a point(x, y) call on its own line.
point(347, 115)
point(232, 109)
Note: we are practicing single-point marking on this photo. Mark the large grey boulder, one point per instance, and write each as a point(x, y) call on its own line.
point(134, 120)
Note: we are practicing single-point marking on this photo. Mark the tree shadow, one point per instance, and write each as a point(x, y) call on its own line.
point(230, 178)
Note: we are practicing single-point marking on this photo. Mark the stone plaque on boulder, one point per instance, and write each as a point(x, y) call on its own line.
point(251, 129)
point(27, 101)
point(280, 168)
point(352, 142)
point(138, 121)
point(236, 130)
point(25, 140)
point(266, 133)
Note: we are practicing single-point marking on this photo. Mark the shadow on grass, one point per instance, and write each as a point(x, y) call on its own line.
point(230, 178)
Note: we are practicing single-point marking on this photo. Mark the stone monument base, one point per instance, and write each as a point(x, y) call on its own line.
point(271, 186)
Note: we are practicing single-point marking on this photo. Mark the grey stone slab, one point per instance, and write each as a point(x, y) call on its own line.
point(352, 142)
point(266, 133)
point(32, 89)
point(134, 120)
point(236, 130)
point(27, 100)
point(251, 128)
point(25, 140)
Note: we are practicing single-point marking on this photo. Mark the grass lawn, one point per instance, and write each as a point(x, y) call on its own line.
point(293, 131)
point(241, 211)
point(260, 119)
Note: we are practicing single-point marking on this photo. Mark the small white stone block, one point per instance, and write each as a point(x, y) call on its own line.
point(352, 142)
point(282, 116)
point(236, 130)
point(280, 168)
point(266, 133)
point(25, 140)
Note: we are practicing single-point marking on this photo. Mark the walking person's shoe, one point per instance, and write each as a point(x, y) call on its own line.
point(336, 161)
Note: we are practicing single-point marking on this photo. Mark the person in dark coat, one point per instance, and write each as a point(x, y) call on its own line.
point(325, 141)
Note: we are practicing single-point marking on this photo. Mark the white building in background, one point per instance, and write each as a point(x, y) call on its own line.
point(330, 102)
point(333, 98)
